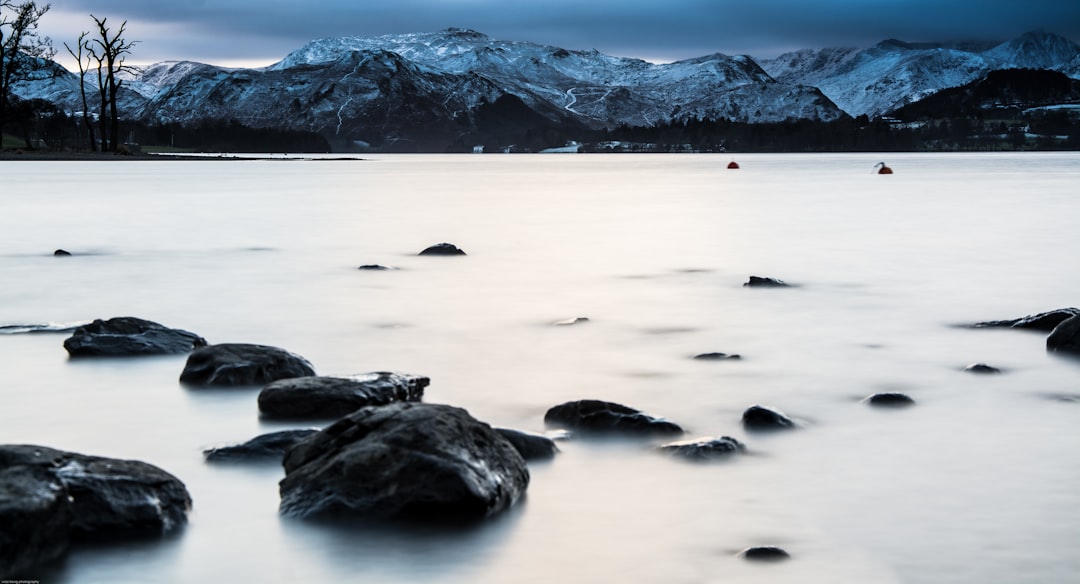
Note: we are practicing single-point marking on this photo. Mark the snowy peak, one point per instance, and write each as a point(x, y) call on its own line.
point(892, 73)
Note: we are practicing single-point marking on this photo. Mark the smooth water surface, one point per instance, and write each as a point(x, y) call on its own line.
point(978, 483)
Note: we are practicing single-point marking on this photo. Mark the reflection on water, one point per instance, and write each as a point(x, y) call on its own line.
point(975, 483)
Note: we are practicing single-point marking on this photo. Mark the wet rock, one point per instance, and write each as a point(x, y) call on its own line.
point(1065, 337)
point(889, 399)
point(374, 267)
point(764, 282)
point(597, 416)
point(61, 253)
point(1044, 321)
point(35, 518)
point(129, 336)
point(416, 460)
point(442, 249)
point(981, 368)
point(333, 397)
point(108, 496)
point(716, 357)
point(271, 446)
point(242, 364)
point(764, 554)
point(530, 446)
point(762, 418)
point(704, 448)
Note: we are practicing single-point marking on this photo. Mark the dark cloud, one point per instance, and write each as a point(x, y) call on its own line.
point(219, 31)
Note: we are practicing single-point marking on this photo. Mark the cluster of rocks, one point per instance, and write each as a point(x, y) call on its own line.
point(384, 453)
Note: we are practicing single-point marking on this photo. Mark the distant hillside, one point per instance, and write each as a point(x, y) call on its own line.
point(1008, 89)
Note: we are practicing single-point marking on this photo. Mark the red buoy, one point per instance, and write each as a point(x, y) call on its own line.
point(733, 164)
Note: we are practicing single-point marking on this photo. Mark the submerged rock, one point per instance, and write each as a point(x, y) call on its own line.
point(589, 415)
point(764, 554)
point(48, 497)
point(1044, 321)
point(374, 267)
point(889, 399)
point(127, 336)
point(762, 418)
point(530, 446)
point(1065, 337)
point(333, 397)
point(415, 460)
point(271, 446)
point(764, 282)
point(62, 253)
point(442, 249)
point(571, 321)
point(704, 448)
point(982, 368)
point(242, 364)
point(716, 357)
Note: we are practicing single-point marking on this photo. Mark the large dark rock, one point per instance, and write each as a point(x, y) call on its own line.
point(242, 364)
point(530, 446)
point(35, 518)
point(406, 459)
point(333, 397)
point(271, 446)
point(590, 415)
point(442, 249)
point(704, 448)
point(1044, 321)
point(127, 335)
point(1065, 337)
point(763, 418)
point(49, 496)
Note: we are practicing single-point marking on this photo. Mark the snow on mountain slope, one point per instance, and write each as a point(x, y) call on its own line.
point(891, 74)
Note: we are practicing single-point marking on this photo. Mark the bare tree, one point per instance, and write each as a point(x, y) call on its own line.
point(109, 49)
point(84, 51)
point(19, 42)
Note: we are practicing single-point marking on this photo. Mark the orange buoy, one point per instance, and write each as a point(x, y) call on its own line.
point(882, 168)
point(733, 164)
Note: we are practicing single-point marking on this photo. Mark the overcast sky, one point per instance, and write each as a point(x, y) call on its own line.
point(259, 32)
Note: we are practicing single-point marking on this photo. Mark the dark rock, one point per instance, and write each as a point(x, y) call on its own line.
point(333, 397)
point(530, 446)
point(982, 368)
point(270, 446)
point(764, 554)
point(591, 415)
point(61, 253)
point(1044, 321)
point(1065, 337)
point(889, 400)
point(374, 267)
point(761, 282)
point(35, 518)
point(716, 357)
point(415, 460)
point(762, 418)
point(704, 448)
point(242, 364)
point(442, 249)
point(127, 335)
point(108, 496)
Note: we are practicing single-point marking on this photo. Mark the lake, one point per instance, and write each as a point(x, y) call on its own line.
point(977, 483)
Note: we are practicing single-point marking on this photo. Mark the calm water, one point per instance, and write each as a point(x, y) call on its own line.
point(976, 484)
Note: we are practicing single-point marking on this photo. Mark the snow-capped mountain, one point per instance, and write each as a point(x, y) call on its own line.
point(891, 74)
point(458, 84)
